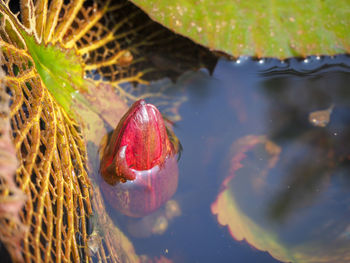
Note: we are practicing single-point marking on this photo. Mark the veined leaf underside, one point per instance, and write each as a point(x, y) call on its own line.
point(49, 145)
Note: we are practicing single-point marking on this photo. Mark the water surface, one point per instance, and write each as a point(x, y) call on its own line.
point(304, 198)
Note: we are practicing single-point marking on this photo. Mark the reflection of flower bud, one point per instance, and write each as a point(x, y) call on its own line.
point(139, 163)
point(139, 143)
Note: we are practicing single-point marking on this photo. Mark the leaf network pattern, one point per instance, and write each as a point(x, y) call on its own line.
point(49, 144)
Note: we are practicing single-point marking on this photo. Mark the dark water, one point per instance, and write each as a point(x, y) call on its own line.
point(305, 192)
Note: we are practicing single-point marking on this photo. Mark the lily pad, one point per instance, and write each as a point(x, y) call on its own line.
point(258, 28)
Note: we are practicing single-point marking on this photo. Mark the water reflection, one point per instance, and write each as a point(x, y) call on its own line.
point(280, 182)
point(155, 223)
point(300, 210)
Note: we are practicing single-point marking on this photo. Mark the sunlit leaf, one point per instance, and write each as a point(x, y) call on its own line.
point(52, 173)
point(60, 70)
point(259, 28)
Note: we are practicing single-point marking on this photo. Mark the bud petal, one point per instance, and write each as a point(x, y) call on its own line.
point(139, 143)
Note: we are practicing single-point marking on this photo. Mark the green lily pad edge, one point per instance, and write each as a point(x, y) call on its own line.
point(258, 28)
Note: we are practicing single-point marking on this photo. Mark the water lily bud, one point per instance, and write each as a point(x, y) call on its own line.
point(139, 164)
point(139, 143)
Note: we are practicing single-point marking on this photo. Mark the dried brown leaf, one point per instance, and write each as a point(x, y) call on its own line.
point(11, 197)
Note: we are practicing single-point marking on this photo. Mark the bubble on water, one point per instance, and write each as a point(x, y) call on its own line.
point(309, 65)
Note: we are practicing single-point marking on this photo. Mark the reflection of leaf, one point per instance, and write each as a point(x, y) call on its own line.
point(307, 230)
point(227, 206)
point(258, 28)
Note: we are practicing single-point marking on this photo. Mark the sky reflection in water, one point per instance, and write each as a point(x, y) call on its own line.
point(302, 201)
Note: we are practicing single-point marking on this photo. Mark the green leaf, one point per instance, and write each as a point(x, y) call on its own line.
point(261, 28)
point(60, 69)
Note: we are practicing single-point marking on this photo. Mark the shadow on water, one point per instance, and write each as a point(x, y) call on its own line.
point(320, 153)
